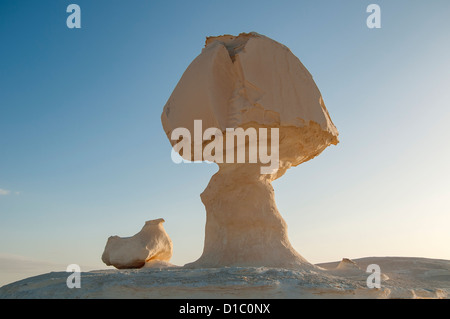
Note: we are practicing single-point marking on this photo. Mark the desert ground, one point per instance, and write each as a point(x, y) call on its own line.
point(402, 277)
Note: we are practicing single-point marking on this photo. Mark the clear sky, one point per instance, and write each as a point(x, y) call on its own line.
point(83, 154)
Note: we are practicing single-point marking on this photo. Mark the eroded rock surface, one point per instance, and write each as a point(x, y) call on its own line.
point(151, 244)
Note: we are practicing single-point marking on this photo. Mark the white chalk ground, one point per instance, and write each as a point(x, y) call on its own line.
point(402, 277)
point(14, 268)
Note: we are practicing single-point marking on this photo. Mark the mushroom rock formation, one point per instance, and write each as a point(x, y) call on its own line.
point(151, 244)
point(249, 81)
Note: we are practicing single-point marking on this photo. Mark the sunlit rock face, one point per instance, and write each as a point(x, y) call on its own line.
point(249, 81)
point(151, 244)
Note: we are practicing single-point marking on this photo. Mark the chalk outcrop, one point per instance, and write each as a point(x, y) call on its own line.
point(351, 269)
point(249, 81)
point(347, 264)
point(151, 244)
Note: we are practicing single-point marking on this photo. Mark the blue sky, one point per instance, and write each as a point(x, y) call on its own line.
point(83, 154)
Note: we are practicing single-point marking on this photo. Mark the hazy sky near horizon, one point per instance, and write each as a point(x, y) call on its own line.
point(83, 154)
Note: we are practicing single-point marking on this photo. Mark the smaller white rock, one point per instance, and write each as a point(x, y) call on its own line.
point(150, 244)
point(348, 265)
